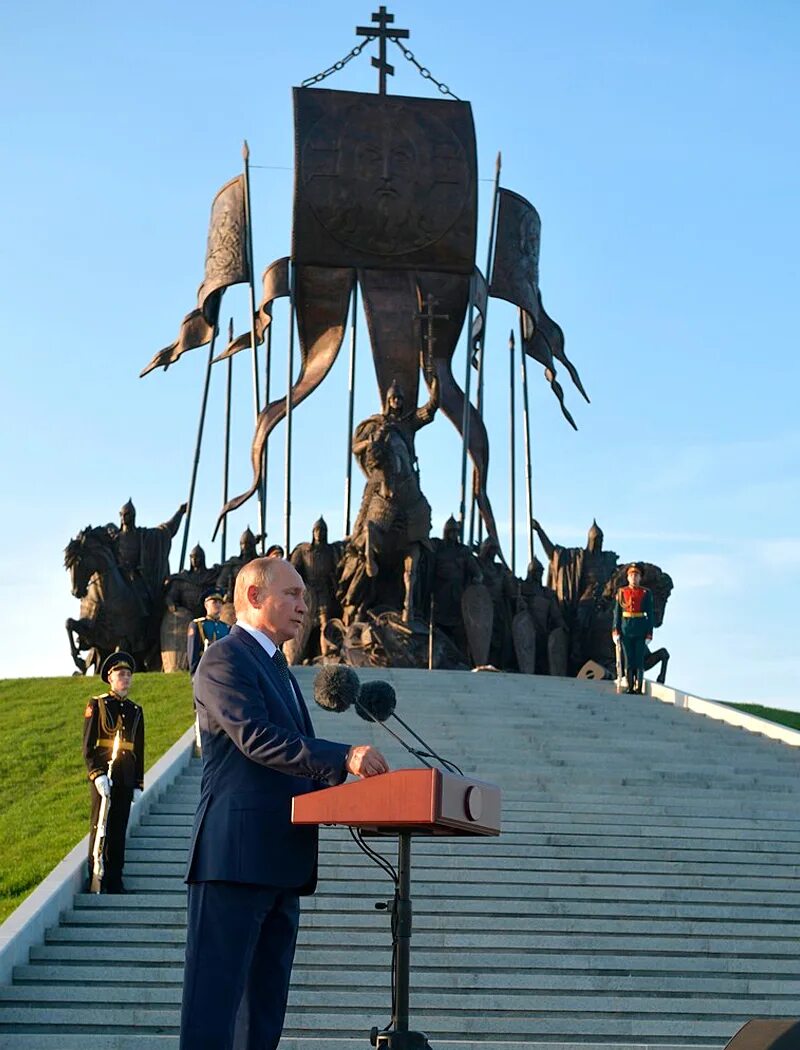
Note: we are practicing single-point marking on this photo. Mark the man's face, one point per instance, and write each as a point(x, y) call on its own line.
point(119, 680)
point(451, 535)
point(197, 561)
point(320, 534)
point(634, 578)
point(213, 608)
point(278, 609)
point(127, 517)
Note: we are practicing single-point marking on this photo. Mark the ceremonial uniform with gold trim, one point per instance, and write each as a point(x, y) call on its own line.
point(105, 716)
point(634, 619)
point(201, 633)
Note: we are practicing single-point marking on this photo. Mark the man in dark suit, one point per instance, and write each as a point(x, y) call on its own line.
point(248, 864)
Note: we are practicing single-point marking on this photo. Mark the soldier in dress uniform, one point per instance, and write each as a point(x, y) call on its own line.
point(634, 619)
point(206, 629)
point(120, 777)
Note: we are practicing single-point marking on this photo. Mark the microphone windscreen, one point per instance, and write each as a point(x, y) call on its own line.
point(336, 687)
point(377, 699)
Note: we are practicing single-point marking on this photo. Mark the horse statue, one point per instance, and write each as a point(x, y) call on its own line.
point(392, 527)
point(112, 613)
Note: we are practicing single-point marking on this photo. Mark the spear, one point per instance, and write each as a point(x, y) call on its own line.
point(227, 460)
point(527, 435)
point(351, 387)
point(512, 450)
point(196, 463)
point(253, 340)
point(489, 259)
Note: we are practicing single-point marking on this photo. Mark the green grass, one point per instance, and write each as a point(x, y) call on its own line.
point(771, 714)
point(44, 797)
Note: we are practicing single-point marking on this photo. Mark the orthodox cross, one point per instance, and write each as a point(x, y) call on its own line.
point(428, 315)
point(383, 33)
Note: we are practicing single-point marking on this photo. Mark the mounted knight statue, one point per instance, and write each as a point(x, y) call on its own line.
point(118, 574)
point(394, 520)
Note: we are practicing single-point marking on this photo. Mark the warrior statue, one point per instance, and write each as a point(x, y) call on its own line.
point(143, 554)
point(454, 568)
point(317, 563)
point(500, 584)
point(395, 518)
point(579, 577)
point(230, 569)
point(184, 603)
point(550, 632)
point(185, 589)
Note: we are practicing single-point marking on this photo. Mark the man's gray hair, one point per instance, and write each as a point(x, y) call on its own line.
point(260, 573)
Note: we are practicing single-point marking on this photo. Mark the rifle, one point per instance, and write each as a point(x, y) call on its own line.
point(98, 849)
point(620, 663)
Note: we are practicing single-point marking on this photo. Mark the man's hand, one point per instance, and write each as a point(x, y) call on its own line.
point(103, 786)
point(365, 761)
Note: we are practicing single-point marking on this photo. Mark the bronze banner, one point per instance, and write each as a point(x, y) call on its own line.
point(195, 331)
point(515, 271)
point(451, 292)
point(384, 182)
point(322, 300)
point(226, 249)
point(274, 285)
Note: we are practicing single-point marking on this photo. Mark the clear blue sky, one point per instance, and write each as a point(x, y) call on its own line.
point(658, 142)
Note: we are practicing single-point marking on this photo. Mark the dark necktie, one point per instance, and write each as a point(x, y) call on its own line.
point(283, 670)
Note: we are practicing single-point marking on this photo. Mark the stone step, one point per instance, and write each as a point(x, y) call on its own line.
point(592, 878)
point(601, 979)
point(471, 911)
point(434, 1021)
point(621, 960)
point(157, 1041)
point(701, 942)
point(698, 985)
point(448, 1000)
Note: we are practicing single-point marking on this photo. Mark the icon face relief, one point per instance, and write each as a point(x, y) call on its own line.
point(389, 179)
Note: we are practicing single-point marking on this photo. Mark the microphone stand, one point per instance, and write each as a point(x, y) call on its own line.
point(399, 1036)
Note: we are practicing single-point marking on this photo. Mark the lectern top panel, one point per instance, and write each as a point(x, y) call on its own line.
point(423, 801)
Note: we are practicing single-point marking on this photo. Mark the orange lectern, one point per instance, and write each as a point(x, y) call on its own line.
point(405, 802)
point(421, 801)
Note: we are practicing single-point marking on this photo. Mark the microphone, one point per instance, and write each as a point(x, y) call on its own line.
point(336, 688)
point(377, 702)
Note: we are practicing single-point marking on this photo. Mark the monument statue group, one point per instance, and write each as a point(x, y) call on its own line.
point(421, 602)
point(385, 208)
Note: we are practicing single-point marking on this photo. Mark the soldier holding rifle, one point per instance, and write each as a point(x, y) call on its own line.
point(113, 748)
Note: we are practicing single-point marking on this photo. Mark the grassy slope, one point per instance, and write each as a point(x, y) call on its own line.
point(44, 798)
point(771, 714)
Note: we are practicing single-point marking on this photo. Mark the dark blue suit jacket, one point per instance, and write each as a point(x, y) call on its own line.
point(258, 753)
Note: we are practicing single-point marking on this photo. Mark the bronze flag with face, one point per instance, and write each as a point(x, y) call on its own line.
point(227, 255)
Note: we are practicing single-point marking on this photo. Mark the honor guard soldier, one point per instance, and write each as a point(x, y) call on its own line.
point(113, 747)
point(634, 619)
point(205, 629)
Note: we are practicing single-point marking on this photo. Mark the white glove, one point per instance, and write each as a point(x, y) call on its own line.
point(103, 785)
point(137, 794)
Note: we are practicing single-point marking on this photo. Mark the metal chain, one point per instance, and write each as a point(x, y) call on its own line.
point(340, 64)
point(423, 71)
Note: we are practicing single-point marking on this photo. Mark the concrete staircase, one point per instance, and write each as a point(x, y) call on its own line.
point(644, 891)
